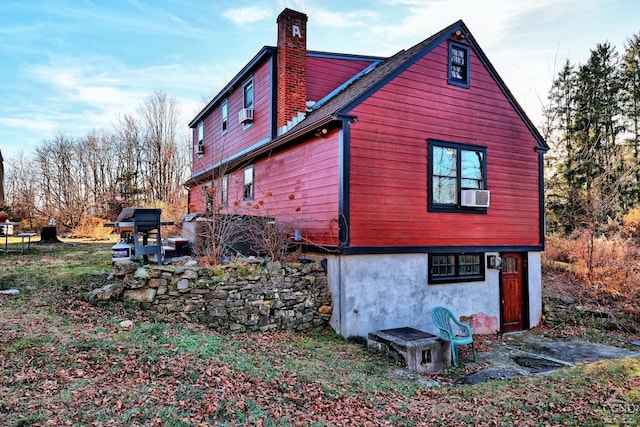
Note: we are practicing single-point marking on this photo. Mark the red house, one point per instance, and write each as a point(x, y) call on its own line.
point(419, 175)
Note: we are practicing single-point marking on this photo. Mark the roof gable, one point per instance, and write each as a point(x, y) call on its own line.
point(338, 104)
point(376, 77)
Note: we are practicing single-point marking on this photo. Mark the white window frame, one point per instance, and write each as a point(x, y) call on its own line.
point(200, 144)
point(224, 113)
point(247, 87)
point(248, 184)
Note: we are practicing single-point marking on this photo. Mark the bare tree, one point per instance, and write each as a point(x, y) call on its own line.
point(97, 150)
point(22, 189)
point(142, 161)
point(165, 165)
point(65, 196)
point(128, 188)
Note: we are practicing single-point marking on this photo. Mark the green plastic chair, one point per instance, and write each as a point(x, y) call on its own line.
point(444, 319)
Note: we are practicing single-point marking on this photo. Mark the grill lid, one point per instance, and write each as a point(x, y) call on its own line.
point(131, 214)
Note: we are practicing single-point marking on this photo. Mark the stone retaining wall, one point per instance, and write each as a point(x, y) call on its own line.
point(234, 297)
point(564, 311)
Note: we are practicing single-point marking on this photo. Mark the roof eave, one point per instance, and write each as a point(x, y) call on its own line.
point(290, 137)
point(543, 147)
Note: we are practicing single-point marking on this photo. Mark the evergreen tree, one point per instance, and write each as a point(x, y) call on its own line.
point(630, 79)
point(561, 202)
point(598, 113)
point(588, 173)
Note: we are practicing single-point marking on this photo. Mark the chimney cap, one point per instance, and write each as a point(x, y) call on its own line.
point(291, 13)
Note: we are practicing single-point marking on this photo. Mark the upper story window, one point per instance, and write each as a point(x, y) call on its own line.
point(247, 94)
point(453, 168)
point(245, 115)
point(458, 64)
point(248, 184)
point(200, 144)
point(456, 267)
point(224, 190)
point(224, 109)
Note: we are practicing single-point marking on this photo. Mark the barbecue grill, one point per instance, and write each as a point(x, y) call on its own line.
point(135, 226)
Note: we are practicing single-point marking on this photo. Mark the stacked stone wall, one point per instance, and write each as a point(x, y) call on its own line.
point(235, 297)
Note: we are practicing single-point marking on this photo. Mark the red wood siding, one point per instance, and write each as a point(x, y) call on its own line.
point(309, 172)
point(389, 165)
point(218, 146)
point(326, 74)
point(197, 199)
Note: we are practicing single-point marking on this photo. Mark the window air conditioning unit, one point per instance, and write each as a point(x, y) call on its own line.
point(475, 198)
point(245, 115)
point(200, 149)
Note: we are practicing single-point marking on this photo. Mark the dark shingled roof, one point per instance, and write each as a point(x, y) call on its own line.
point(360, 87)
point(350, 96)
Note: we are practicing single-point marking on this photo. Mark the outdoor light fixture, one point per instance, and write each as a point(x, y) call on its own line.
point(322, 132)
point(494, 261)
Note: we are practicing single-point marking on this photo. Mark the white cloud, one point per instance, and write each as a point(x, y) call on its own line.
point(247, 15)
point(27, 124)
point(489, 20)
point(87, 81)
point(351, 19)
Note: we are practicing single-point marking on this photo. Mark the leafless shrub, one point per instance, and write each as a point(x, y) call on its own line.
point(252, 228)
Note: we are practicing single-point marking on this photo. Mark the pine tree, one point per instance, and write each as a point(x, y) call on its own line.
point(561, 202)
point(630, 79)
point(588, 173)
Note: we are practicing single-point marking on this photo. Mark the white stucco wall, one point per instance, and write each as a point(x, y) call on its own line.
point(535, 289)
point(373, 292)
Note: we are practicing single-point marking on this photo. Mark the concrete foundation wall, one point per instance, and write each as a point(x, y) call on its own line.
point(535, 289)
point(373, 292)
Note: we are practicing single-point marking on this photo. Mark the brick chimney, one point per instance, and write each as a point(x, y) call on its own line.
point(292, 66)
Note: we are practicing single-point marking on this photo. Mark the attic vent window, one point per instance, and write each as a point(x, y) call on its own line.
point(458, 64)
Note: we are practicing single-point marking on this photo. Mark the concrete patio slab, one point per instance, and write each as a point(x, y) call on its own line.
point(525, 353)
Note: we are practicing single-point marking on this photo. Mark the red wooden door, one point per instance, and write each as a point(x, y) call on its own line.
point(511, 292)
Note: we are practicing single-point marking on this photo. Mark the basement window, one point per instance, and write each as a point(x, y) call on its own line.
point(458, 64)
point(456, 267)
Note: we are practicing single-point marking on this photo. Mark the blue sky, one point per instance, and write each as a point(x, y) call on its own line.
point(75, 65)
